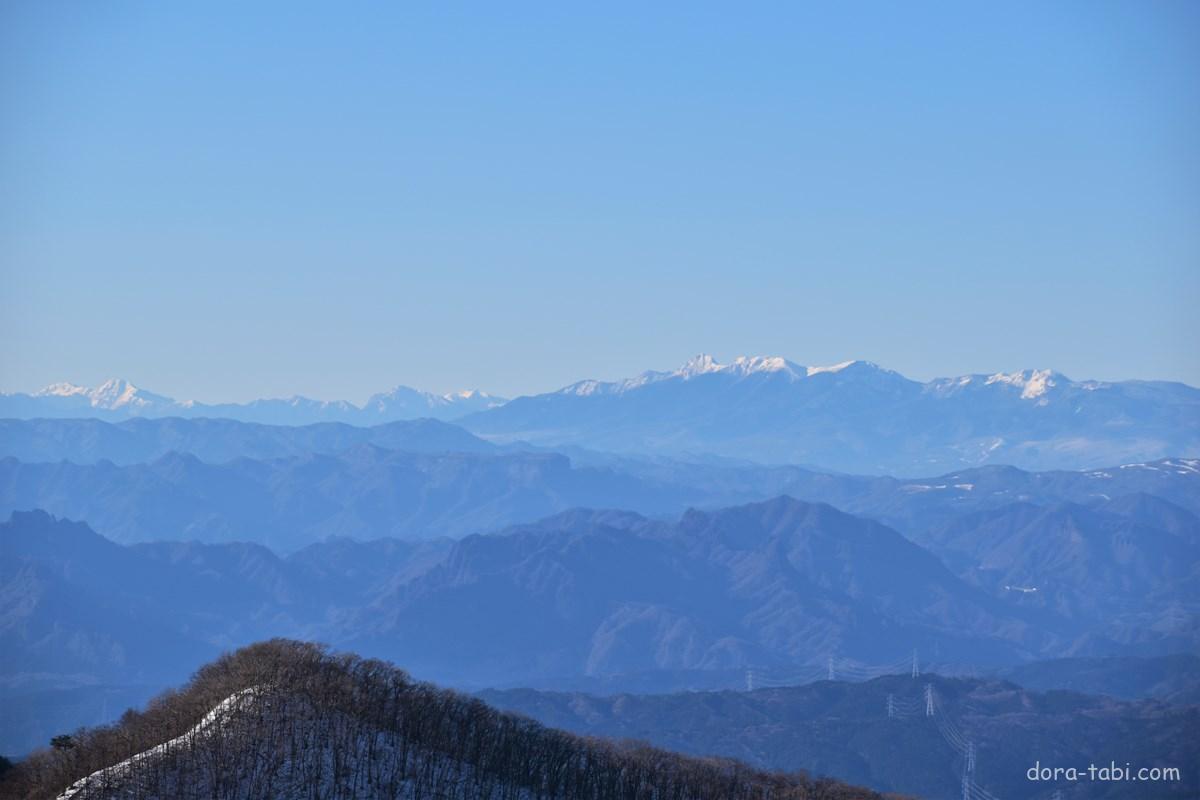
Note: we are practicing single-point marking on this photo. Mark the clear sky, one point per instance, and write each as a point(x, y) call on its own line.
point(221, 201)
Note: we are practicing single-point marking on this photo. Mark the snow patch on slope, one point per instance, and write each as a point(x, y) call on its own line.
point(705, 364)
point(104, 777)
point(1033, 383)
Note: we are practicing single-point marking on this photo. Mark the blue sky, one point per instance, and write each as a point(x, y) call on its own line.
point(224, 201)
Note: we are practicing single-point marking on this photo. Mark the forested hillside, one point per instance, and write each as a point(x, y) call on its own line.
point(288, 719)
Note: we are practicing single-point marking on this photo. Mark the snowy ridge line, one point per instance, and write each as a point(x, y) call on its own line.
point(235, 702)
point(705, 364)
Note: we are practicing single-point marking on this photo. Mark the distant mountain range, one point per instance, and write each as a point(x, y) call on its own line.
point(1103, 561)
point(854, 417)
point(118, 399)
point(859, 417)
point(216, 440)
point(289, 486)
point(364, 492)
point(604, 598)
point(845, 729)
point(1173, 679)
point(769, 584)
point(776, 583)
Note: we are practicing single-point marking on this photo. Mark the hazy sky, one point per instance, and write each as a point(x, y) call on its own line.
point(225, 200)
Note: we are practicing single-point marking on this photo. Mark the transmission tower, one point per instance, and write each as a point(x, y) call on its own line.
point(916, 667)
point(968, 771)
point(830, 666)
point(891, 706)
point(749, 680)
point(929, 699)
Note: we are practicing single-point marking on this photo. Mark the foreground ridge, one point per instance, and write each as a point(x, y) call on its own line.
point(117, 773)
point(284, 719)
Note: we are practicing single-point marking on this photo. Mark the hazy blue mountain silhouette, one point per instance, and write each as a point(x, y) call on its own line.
point(779, 582)
point(608, 597)
point(77, 604)
point(843, 729)
point(87, 441)
point(364, 492)
point(289, 486)
point(1079, 559)
point(1173, 678)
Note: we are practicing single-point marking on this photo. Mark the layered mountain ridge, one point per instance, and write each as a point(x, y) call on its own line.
point(118, 399)
point(877, 733)
point(774, 585)
point(854, 416)
point(217, 480)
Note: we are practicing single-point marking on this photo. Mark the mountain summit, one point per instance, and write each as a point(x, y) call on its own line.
point(112, 395)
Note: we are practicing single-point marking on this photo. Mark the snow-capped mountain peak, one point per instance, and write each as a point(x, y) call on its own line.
point(113, 394)
point(62, 389)
point(118, 398)
point(472, 394)
point(747, 365)
point(810, 371)
point(405, 402)
point(741, 366)
point(1033, 383)
point(701, 364)
point(705, 364)
point(751, 365)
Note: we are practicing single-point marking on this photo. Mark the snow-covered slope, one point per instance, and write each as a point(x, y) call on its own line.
point(123, 772)
point(114, 394)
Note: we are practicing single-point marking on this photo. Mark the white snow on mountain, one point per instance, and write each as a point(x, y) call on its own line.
point(835, 368)
point(121, 399)
point(853, 415)
point(104, 778)
point(62, 390)
point(113, 394)
point(741, 366)
point(705, 365)
point(406, 397)
point(1037, 385)
point(1033, 383)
